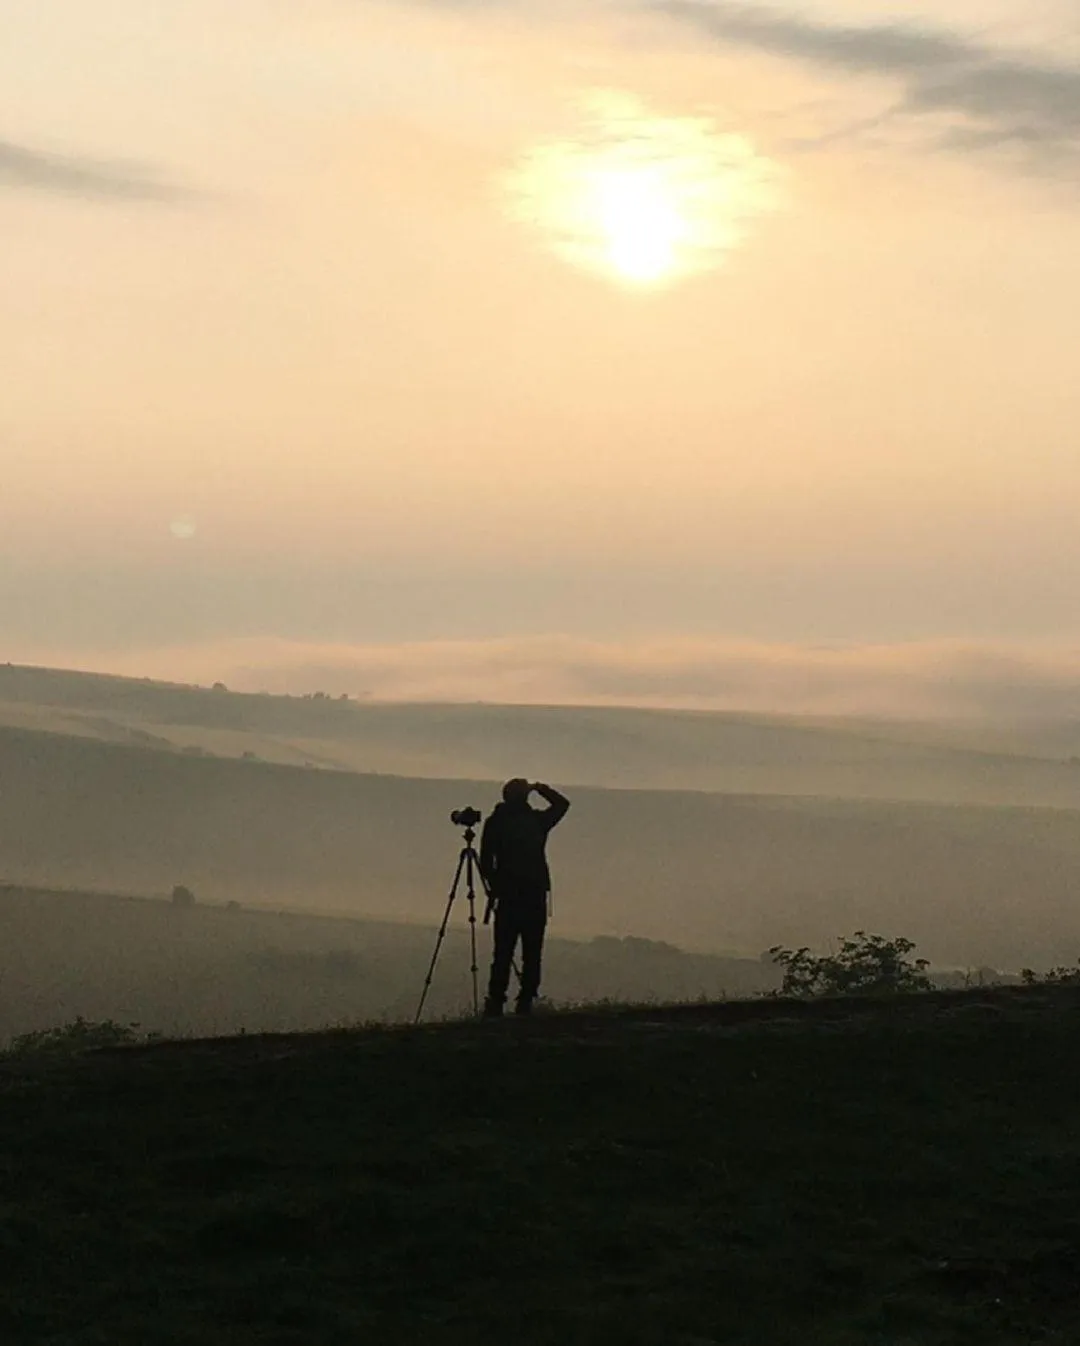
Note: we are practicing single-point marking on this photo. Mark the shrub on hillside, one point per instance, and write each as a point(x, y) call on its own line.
point(81, 1035)
point(1057, 976)
point(863, 965)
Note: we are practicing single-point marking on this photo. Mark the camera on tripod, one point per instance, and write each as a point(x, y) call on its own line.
point(468, 868)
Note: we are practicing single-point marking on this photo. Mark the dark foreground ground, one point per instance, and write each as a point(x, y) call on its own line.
point(763, 1174)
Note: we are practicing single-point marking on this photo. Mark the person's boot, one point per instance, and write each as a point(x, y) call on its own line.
point(524, 1005)
point(492, 1008)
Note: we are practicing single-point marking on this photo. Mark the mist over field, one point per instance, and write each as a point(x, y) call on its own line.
point(702, 839)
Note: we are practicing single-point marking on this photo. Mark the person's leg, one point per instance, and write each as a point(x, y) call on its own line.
point(533, 925)
point(506, 937)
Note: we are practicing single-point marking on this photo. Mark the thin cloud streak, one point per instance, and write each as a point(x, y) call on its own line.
point(1003, 99)
point(887, 48)
point(937, 680)
point(27, 169)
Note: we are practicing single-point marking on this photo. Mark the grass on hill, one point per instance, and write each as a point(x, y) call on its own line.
point(755, 1174)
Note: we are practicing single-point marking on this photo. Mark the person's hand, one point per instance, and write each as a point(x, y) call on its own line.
point(536, 787)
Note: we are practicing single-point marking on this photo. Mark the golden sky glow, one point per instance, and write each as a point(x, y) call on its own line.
point(375, 322)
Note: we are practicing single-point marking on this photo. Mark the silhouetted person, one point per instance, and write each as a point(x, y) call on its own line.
point(514, 865)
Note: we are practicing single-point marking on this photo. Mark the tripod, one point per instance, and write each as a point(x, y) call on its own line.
point(469, 865)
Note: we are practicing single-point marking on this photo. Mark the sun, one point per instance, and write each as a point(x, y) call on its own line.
point(641, 199)
point(640, 224)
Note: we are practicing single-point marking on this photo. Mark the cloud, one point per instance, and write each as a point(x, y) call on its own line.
point(890, 48)
point(37, 170)
point(927, 680)
point(994, 98)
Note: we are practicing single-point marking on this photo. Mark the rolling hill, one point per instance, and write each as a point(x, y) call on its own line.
point(710, 872)
point(606, 748)
point(832, 1174)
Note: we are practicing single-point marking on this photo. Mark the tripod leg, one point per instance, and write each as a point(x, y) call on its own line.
point(441, 936)
point(470, 891)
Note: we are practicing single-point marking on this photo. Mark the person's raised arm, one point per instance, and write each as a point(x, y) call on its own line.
point(557, 804)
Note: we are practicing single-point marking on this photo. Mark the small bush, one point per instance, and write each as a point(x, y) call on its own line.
point(81, 1035)
point(863, 965)
point(1057, 976)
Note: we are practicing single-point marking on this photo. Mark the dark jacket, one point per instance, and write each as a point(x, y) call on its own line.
point(513, 857)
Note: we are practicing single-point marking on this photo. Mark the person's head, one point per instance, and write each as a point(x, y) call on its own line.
point(516, 791)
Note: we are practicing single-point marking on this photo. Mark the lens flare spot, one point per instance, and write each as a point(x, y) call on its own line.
point(183, 528)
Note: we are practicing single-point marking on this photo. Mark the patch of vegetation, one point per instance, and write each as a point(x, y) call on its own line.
point(80, 1035)
point(1057, 976)
point(862, 965)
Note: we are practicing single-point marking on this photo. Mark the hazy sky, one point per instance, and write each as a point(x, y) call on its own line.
point(329, 327)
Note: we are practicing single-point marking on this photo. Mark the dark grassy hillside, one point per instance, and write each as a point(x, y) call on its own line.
point(833, 1175)
point(602, 747)
point(712, 872)
point(215, 970)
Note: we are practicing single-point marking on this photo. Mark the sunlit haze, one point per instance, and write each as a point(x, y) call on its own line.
point(671, 352)
point(641, 199)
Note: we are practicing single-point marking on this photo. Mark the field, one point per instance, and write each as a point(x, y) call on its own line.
point(215, 970)
point(834, 1174)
